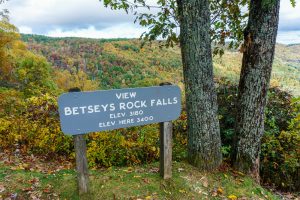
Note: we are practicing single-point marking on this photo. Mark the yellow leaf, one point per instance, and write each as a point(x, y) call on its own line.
point(20, 167)
point(148, 197)
point(232, 197)
point(241, 174)
point(182, 191)
point(220, 191)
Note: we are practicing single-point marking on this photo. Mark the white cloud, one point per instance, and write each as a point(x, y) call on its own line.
point(288, 37)
point(45, 15)
point(119, 31)
point(289, 17)
point(25, 29)
point(91, 19)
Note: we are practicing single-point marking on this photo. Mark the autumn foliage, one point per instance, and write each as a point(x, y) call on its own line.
point(35, 73)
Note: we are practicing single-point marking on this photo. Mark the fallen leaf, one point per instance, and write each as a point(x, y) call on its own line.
point(214, 194)
point(14, 195)
point(180, 169)
point(27, 189)
point(232, 197)
point(146, 180)
point(168, 192)
point(34, 180)
point(182, 191)
point(148, 197)
point(2, 188)
point(46, 190)
point(204, 181)
point(154, 170)
point(26, 166)
point(241, 174)
point(128, 170)
point(241, 180)
point(220, 191)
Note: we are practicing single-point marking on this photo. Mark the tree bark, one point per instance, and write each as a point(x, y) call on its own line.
point(204, 142)
point(259, 45)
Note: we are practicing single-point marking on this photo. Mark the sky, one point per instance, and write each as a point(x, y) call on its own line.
point(89, 18)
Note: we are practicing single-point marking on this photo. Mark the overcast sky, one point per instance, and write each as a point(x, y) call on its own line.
point(89, 18)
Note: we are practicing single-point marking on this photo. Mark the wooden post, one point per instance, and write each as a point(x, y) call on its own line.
point(81, 159)
point(165, 157)
point(81, 163)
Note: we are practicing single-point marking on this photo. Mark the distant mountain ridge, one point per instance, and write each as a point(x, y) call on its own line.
point(120, 63)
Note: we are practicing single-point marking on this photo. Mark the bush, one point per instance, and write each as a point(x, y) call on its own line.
point(33, 124)
point(123, 147)
point(280, 155)
point(35, 129)
point(280, 151)
point(279, 112)
point(180, 138)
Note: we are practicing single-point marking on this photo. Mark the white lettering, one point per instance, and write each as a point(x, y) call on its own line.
point(159, 103)
point(175, 101)
point(112, 107)
point(132, 94)
point(106, 124)
point(104, 107)
point(126, 121)
point(126, 95)
point(117, 115)
point(83, 109)
point(75, 111)
point(143, 104)
point(96, 108)
point(119, 96)
point(129, 105)
point(152, 102)
point(122, 106)
point(68, 111)
point(90, 109)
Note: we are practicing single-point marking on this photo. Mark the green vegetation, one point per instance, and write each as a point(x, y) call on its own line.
point(139, 182)
point(33, 77)
point(119, 63)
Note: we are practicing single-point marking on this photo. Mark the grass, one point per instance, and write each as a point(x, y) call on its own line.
point(139, 182)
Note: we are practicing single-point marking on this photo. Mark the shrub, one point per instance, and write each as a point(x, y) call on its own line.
point(279, 112)
point(180, 138)
point(280, 155)
point(36, 128)
point(33, 124)
point(280, 151)
point(123, 147)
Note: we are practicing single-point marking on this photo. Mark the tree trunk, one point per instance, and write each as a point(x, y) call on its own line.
point(204, 142)
point(259, 45)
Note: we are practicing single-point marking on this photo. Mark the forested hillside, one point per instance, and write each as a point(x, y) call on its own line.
point(38, 69)
point(228, 127)
point(117, 63)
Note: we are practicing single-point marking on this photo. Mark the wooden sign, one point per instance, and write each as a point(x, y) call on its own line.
point(84, 112)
